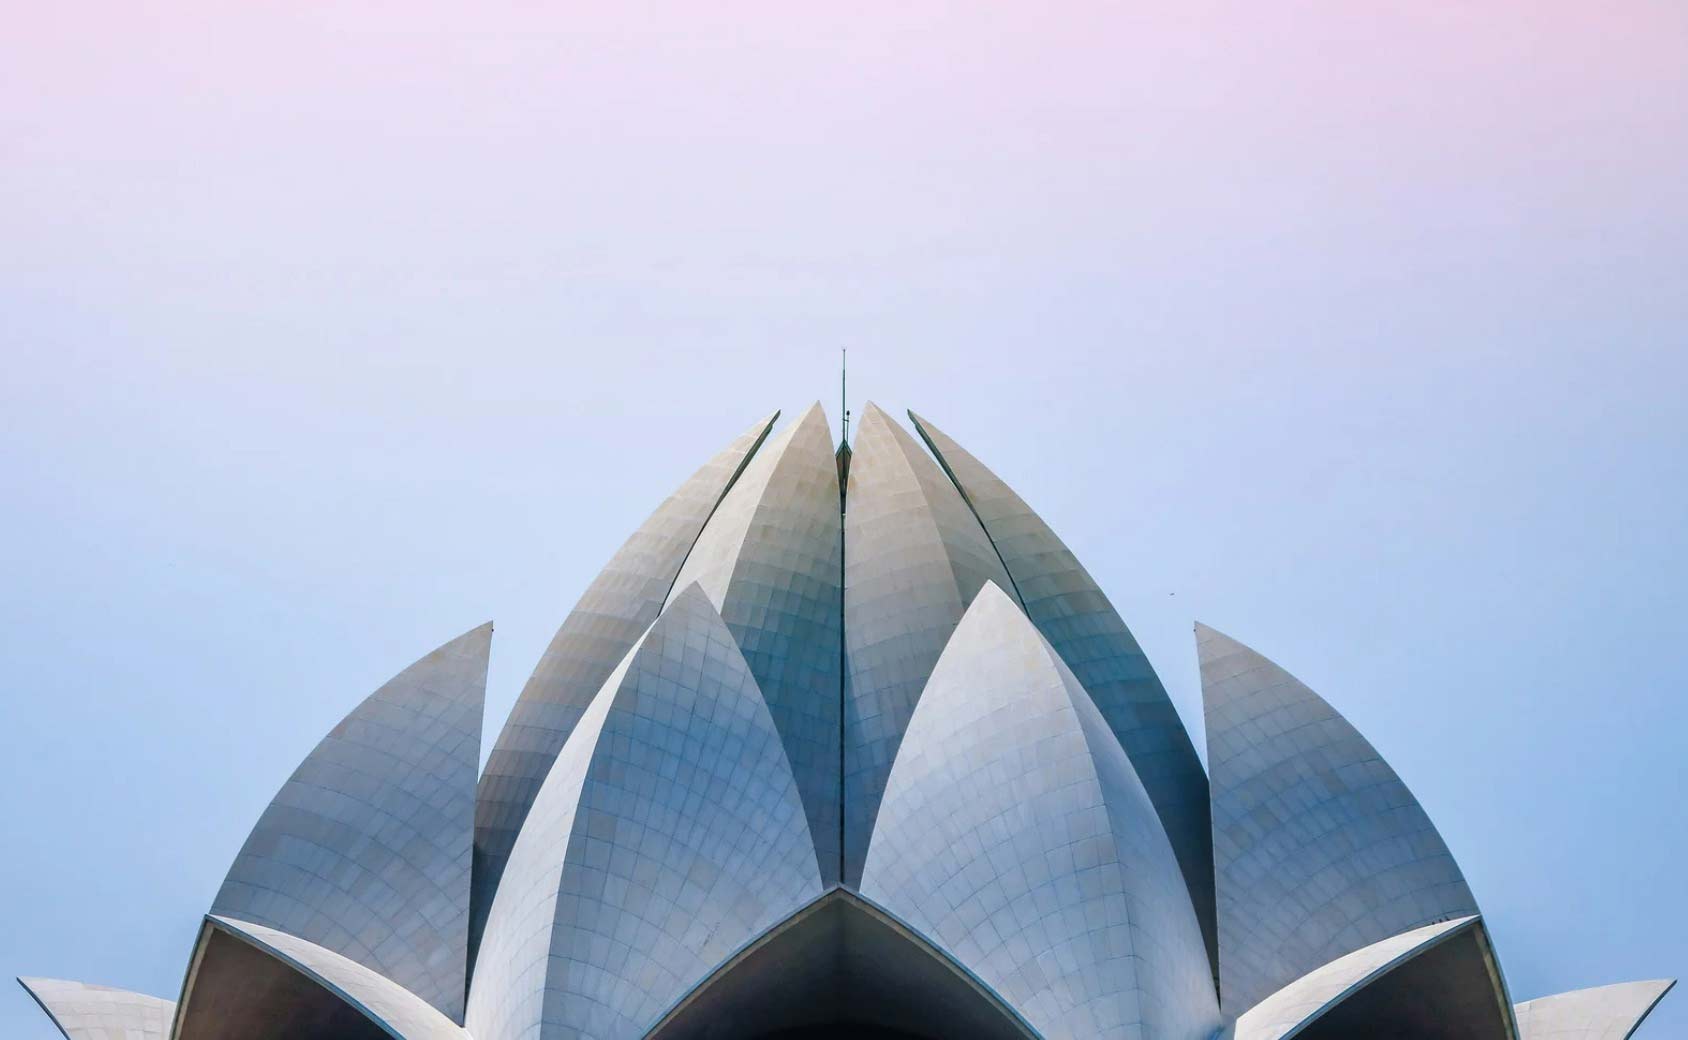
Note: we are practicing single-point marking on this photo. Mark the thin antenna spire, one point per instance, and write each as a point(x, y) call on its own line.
point(844, 389)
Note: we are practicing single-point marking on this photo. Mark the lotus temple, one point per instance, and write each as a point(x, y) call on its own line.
point(843, 742)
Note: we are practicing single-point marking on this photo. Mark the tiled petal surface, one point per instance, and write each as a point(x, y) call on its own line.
point(612, 614)
point(1015, 834)
point(1074, 614)
point(1598, 1013)
point(769, 560)
point(668, 835)
point(1319, 848)
point(366, 849)
point(507, 995)
point(84, 1012)
point(914, 558)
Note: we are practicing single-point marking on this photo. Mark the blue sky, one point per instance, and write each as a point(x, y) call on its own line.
point(1357, 331)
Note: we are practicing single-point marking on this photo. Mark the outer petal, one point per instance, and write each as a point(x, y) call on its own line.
point(1438, 982)
point(769, 561)
point(1074, 614)
point(366, 849)
point(1599, 1013)
point(612, 614)
point(248, 982)
point(1015, 834)
point(84, 1012)
point(914, 558)
point(669, 833)
point(1319, 848)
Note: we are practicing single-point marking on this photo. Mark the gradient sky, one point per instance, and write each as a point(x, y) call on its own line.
point(1358, 330)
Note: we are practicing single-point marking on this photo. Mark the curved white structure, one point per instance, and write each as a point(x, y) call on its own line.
point(366, 849)
point(669, 834)
point(1319, 849)
point(844, 744)
point(1073, 613)
point(769, 562)
point(612, 614)
point(914, 558)
point(1015, 833)
point(85, 1012)
point(1599, 1013)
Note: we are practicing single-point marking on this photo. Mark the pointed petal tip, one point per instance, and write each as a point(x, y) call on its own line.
point(692, 595)
point(1205, 635)
point(994, 609)
point(692, 601)
point(32, 984)
point(759, 429)
point(986, 609)
point(875, 418)
point(937, 442)
point(930, 432)
point(995, 594)
point(474, 645)
point(1211, 643)
point(813, 414)
point(1663, 986)
point(475, 640)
